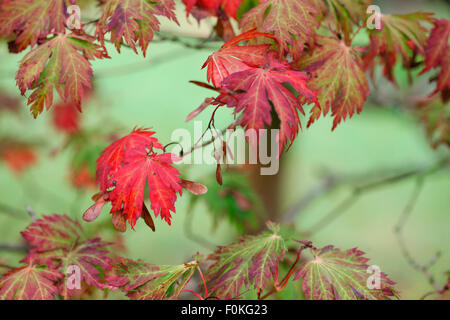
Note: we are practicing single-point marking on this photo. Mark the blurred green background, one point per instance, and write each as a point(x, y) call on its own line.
point(154, 92)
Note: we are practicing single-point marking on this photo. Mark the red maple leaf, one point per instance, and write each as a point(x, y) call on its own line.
point(122, 172)
point(66, 118)
point(252, 91)
point(232, 58)
point(212, 7)
point(113, 157)
point(17, 156)
point(82, 178)
point(163, 183)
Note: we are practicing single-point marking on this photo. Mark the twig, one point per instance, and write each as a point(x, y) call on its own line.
point(360, 190)
point(323, 188)
point(31, 212)
point(206, 143)
point(5, 266)
point(14, 247)
point(398, 231)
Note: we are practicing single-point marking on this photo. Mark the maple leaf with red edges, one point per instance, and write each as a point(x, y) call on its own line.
point(145, 281)
point(132, 21)
point(61, 63)
point(334, 274)
point(291, 21)
point(58, 241)
point(32, 20)
point(251, 261)
point(89, 256)
point(252, 91)
point(52, 232)
point(397, 33)
point(343, 13)
point(338, 77)
point(232, 58)
point(32, 281)
point(437, 53)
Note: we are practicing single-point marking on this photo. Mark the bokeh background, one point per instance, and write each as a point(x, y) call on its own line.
point(131, 90)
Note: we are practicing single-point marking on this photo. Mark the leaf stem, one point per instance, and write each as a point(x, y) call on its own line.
point(279, 287)
point(203, 280)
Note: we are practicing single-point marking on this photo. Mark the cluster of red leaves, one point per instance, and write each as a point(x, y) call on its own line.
point(281, 64)
point(56, 242)
point(17, 156)
point(124, 169)
point(253, 78)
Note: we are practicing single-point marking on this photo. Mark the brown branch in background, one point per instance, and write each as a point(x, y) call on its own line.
point(14, 247)
point(31, 212)
point(398, 231)
point(326, 185)
point(5, 266)
point(358, 191)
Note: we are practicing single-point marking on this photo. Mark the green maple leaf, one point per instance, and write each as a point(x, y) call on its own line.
point(249, 261)
point(145, 281)
point(334, 274)
point(293, 22)
point(133, 21)
point(61, 63)
point(342, 13)
point(399, 34)
point(338, 77)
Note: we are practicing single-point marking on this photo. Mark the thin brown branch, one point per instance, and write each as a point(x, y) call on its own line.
point(398, 231)
point(358, 191)
point(14, 247)
point(212, 140)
